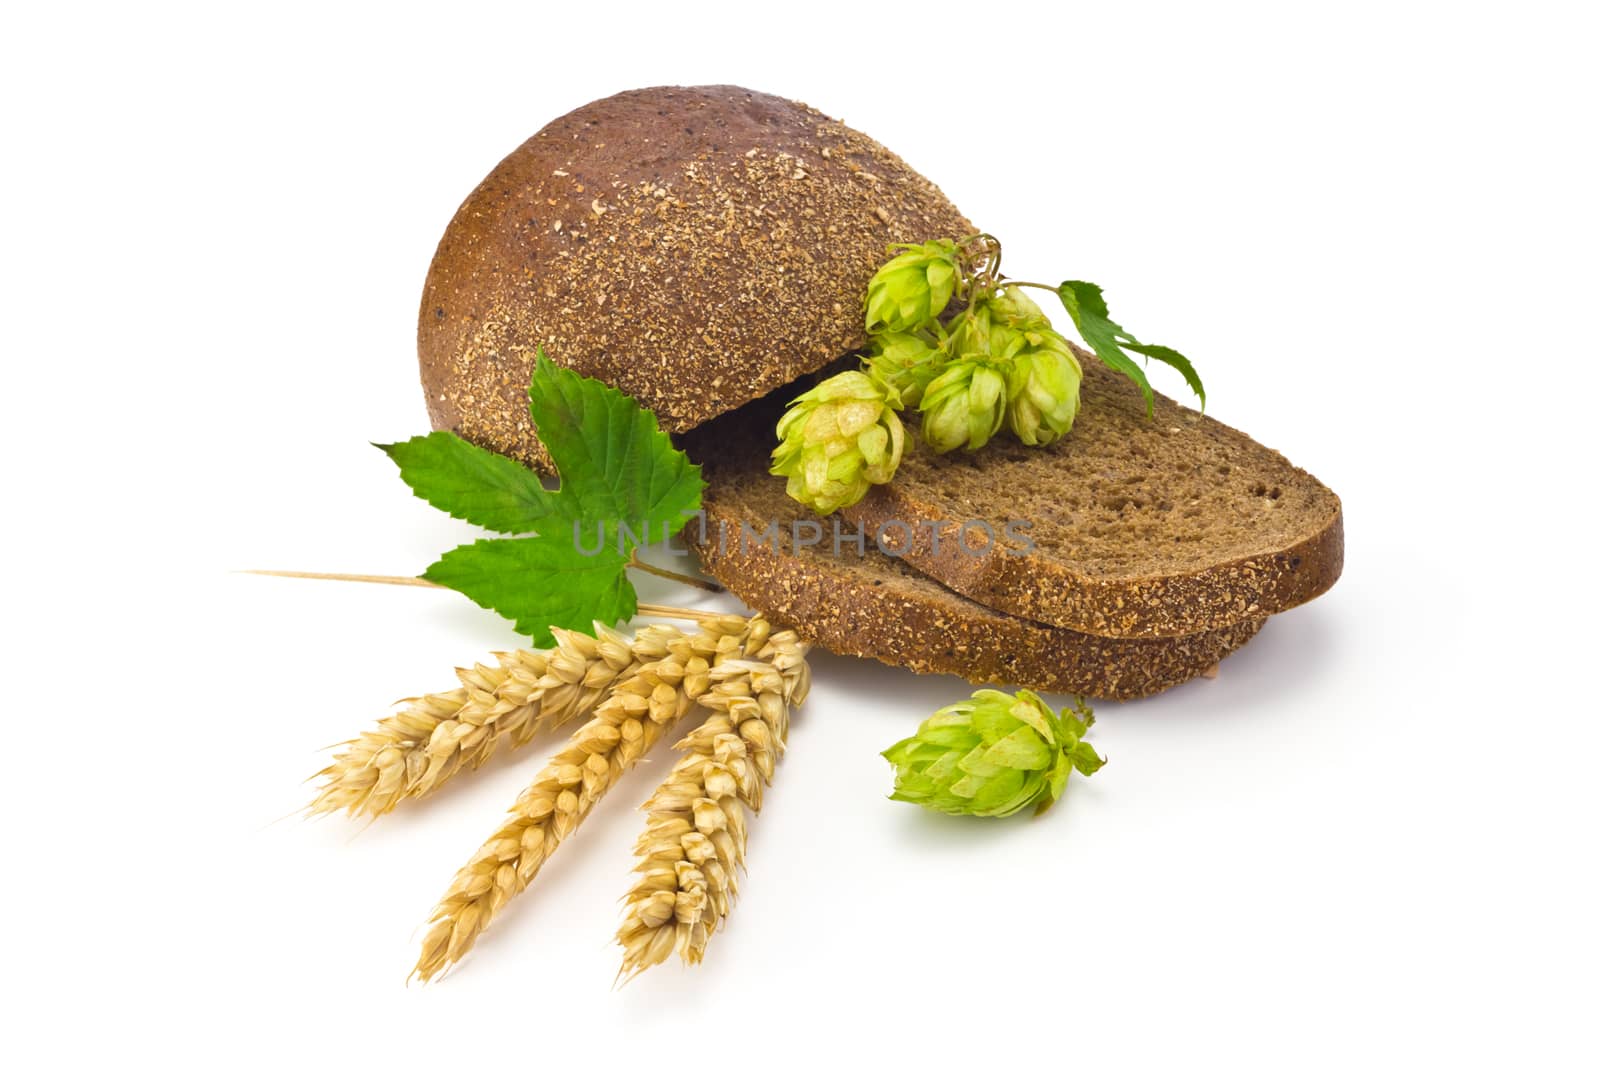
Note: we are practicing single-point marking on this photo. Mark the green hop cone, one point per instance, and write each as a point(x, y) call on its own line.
point(911, 290)
point(838, 440)
point(1013, 308)
point(964, 406)
point(1042, 382)
point(969, 336)
point(1041, 373)
point(907, 362)
point(993, 754)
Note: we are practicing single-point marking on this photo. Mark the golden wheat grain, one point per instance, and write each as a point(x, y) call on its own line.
point(694, 838)
point(637, 712)
point(432, 738)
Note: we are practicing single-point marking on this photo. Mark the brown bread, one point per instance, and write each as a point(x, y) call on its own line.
point(695, 247)
point(875, 606)
point(1141, 527)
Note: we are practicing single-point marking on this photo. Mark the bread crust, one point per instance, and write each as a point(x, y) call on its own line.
point(1251, 574)
point(695, 247)
point(934, 631)
point(872, 606)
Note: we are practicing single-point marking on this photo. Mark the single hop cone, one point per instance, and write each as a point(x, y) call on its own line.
point(838, 440)
point(907, 362)
point(964, 406)
point(912, 289)
point(993, 754)
point(694, 838)
point(1042, 374)
point(969, 331)
point(1012, 307)
point(1042, 384)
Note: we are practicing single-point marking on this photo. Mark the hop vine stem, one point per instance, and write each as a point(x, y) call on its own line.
point(660, 611)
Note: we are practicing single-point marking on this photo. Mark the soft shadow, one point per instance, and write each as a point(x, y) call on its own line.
point(1294, 652)
point(890, 690)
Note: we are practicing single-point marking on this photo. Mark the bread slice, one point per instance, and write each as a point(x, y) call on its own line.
point(1141, 527)
point(871, 605)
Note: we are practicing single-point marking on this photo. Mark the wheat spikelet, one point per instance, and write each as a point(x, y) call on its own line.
point(632, 718)
point(432, 738)
point(694, 838)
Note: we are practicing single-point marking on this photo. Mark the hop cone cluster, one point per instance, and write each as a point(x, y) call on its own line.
point(694, 840)
point(1010, 369)
point(996, 364)
point(839, 439)
point(993, 754)
point(949, 336)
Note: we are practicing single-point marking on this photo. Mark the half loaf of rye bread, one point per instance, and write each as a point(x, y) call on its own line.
point(1141, 527)
point(871, 605)
point(694, 246)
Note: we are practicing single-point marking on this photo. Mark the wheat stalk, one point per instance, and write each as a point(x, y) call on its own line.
point(626, 724)
point(432, 738)
point(694, 839)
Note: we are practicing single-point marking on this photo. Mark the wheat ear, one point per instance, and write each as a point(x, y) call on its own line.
point(432, 738)
point(635, 715)
point(694, 838)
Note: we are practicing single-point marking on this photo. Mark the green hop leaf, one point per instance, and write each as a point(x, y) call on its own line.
point(616, 464)
point(622, 483)
point(911, 290)
point(539, 582)
point(838, 440)
point(907, 362)
point(964, 406)
point(993, 755)
point(1086, 305)
point(466, 481)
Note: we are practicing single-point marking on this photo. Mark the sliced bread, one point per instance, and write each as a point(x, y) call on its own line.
point(1140, 527)
point(871, 605)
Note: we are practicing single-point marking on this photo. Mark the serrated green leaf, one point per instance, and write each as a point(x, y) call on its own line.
point(472, 483)
point(1176, 360)
point(1086, 304)
point(617, 468)
point(616, 464)
point(539, 582)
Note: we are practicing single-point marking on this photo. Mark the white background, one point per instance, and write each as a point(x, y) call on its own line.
point(1373, 227)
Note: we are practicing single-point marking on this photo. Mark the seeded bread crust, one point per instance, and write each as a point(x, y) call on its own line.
point(695, 247)
point(1143, 527)
point(876, 607)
